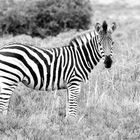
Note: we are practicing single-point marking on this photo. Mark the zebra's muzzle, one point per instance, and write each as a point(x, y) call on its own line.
point(108, 61)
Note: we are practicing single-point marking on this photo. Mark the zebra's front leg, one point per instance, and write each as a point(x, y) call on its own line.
point(72, 101)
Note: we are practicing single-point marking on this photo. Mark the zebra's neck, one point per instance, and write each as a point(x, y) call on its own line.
point(87, 50)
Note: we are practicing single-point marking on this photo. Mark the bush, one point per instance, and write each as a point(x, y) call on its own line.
point(46, 17)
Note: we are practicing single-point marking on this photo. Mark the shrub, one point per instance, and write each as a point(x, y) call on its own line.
point(46, 17)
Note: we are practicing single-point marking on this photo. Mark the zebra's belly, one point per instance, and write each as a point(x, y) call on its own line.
point(49, 88)
point(61, 84)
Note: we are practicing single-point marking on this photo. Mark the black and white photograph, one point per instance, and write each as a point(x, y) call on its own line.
point(69, 69)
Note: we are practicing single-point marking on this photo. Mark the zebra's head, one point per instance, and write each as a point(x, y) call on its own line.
point(105, 42)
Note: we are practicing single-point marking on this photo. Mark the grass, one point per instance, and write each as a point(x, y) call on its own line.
point(109, 103)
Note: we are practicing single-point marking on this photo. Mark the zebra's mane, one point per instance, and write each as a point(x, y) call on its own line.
point(82, 35)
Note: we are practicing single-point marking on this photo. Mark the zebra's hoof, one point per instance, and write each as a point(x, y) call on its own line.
point(70, 120)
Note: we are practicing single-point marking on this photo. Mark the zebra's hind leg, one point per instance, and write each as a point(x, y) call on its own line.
point(72, 101)
point(6, 91)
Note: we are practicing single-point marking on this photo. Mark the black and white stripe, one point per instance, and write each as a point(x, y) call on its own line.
point(55, 68)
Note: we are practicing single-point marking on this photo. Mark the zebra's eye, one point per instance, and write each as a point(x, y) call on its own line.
point(99, 43)
point(112, 42)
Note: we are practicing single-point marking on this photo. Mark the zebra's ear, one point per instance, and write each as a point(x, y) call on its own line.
point(97, 27)
point(113, 27)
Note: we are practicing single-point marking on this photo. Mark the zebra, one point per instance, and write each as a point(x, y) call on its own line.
point(64, 67)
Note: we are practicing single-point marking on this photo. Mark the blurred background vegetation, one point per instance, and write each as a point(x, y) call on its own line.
point(43, 17)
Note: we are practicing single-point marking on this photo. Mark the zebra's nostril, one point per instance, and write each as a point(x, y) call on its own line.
point(108, 62)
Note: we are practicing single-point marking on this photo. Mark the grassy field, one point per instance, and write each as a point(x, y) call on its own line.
point(109, 104)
